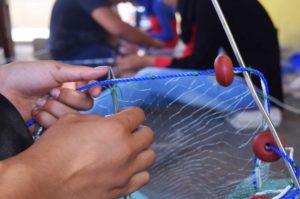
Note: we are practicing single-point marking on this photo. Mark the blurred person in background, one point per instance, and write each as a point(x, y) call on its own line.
point(162, 18)
point(203, 34)
point(90, 29)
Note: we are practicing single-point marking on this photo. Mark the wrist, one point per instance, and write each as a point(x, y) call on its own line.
point(147, 60)
point(12, 95)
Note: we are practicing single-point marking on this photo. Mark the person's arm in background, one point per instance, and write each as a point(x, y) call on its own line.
point(113, 24)
point(209, 32)
point(133, 63)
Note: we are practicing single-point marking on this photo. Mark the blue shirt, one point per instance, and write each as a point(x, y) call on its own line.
point(165, 16)
point(72, 24)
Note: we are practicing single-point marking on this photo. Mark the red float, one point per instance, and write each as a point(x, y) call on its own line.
point(260, 148)
point(224, 70)
point(258, 197)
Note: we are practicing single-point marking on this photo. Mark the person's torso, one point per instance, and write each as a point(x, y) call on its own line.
point(71, 20)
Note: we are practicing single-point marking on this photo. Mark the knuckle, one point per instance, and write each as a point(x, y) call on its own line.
point(149, 132)
point(138, 111)
point(147, 176)
point(88, 103)
point(127, 152)
point(70, 116)
point(135, 112)
point(49, 104)
point(119, 127)
point(152, 156)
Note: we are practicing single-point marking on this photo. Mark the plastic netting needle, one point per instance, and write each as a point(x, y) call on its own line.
point(114, 96)
point(113, 90)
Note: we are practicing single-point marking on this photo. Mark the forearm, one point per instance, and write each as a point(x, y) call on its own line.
point(16, 181)
point(147, 60)
point(133, 35)
point(114, 25)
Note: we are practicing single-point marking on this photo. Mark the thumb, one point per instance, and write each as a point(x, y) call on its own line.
point(68, 73)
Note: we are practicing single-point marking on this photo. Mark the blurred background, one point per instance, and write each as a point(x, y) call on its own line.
point(30, 20)
point(27, 23)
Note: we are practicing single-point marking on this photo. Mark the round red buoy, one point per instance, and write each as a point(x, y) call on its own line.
point(260, 146)
point(258, 197)
point(224, 70)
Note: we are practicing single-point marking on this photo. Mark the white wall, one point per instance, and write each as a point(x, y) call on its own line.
point(30, 18)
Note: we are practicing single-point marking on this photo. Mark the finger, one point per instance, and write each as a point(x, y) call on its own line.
point(142, 138)
point(127, 74)
point(94, 91)
point(125, 67)
point(69, 85)
point(75, 99)
point(56, 108)
point(131, 118)
point(143, 161)
point(119, 60)
point(137, 182)
point(67, 73)
point(44, 118)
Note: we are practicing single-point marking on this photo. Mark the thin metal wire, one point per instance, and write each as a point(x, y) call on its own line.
point(251, 87)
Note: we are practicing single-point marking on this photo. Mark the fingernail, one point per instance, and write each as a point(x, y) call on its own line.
point(41, 102)
point(55, 92)
point(97, 70)
point(101, 68)
point(35, 111)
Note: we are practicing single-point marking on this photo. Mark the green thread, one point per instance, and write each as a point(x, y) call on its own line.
point(114, 95)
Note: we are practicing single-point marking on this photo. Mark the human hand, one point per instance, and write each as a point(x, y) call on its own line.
point(171, 3)
point(86, 156)
point(158, 44)
point(26, 84)
point(63, 100)
point(133, 63)
point(128, 48)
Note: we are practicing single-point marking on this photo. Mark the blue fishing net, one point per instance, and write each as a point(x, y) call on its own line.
point(203, 137)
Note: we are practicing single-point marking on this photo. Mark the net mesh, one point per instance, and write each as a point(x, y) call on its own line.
point(201, 153)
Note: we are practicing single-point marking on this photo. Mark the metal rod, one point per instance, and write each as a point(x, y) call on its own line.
point(252, 89)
